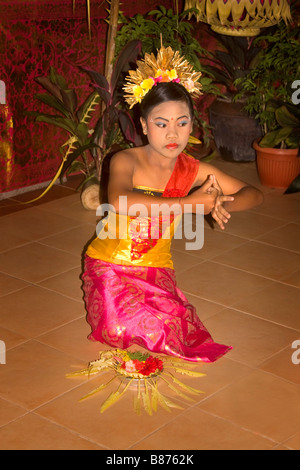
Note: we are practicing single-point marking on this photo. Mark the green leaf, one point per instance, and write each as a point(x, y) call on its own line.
point(128, 54)
point(70, 100)
point(53, 102)
point(58, 121)
point(85, 111)
point(52, 88)
point(285, 118)
point(274, 138)
point(82, 132)
point(58, 79)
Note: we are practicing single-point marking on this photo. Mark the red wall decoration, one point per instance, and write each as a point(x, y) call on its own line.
point(34, 35)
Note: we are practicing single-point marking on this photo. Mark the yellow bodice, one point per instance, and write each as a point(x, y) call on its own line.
point(135, 241)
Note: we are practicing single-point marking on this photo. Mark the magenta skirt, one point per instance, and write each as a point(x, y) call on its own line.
point(129, 305)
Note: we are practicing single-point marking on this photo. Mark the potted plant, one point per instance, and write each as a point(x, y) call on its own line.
point(89, 142)
point(232, 127)
point(278, 159)
point(269, 91)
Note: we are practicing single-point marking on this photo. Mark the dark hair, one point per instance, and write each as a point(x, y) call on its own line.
point(165, 91)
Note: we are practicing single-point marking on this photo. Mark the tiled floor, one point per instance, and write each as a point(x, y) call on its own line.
point(245, 285)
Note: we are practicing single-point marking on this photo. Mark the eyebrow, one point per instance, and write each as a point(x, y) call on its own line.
point(167, 120)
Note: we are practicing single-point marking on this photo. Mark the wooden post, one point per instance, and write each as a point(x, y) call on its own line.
point(112, 32)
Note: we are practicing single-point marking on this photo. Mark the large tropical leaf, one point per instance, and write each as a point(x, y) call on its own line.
point(57, 79)
point(75, 154)
point(101, 82)
point(52, 88)
point(128, 55)
point(70, 100)
point(58, 121)
point(85, 111)
point(127, 126)
point(53, 102)
point(285, 118)
point(274, 138)
point(104, 94)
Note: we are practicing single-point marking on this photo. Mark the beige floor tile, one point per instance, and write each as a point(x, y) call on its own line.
point(253, 340)
point(287, 237)
point(217, 375)
point(37, 262)
point(261, 403)
point(262, 259)
point(211, 433)
point(8, 241)
point(293, 279)
point(11, 338)
point(285, 364)
point(183, 260)
point(220, 284)
point(215, 243)
point(33, 432)
point(9, 412)
point(72, 209)
point(34, 223)
point(35, 310)
point(117, 428)
point(278, 303)
point(72, 339)
point(293, 442)
point(250, 224)
point(68, 283)
point(34, 374)
point(10, 284)
point(73, 241)
point(280, 206)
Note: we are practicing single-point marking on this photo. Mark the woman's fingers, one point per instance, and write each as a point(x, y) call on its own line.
point(219, 213)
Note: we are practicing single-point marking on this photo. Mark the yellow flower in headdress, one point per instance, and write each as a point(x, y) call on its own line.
point(168, 66)
point(147, 84)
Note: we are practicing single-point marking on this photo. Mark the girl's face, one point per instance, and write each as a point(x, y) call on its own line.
point(168, 127)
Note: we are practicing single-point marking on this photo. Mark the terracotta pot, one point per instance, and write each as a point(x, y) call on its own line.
point(277, 168)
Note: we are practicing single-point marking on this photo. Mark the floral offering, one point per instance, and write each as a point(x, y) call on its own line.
point(143, 371)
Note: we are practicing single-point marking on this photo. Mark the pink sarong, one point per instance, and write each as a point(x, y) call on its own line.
point(139, 305)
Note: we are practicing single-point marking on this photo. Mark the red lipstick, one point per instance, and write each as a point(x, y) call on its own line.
point(172, 146)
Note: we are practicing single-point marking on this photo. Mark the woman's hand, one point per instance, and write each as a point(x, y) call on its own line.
point(205, 195)
point(219, 213)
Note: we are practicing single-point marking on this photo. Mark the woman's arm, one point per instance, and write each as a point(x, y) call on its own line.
point(121, 184)
point(244, 196)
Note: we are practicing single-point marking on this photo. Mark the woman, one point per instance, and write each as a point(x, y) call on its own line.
point(129, 282)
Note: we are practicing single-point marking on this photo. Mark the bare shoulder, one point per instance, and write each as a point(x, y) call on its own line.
point(124, 157)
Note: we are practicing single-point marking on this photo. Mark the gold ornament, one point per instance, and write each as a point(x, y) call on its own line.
point(240, 17)
point(168, 66)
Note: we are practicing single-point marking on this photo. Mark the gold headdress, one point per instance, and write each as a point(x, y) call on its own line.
point(168, 66)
